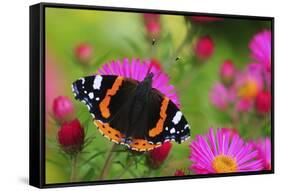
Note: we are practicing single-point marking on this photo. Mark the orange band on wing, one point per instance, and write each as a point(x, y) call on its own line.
point(116, 136)
point(105, 102)
point(142, 145)
point(112, 134)
point(160, 123)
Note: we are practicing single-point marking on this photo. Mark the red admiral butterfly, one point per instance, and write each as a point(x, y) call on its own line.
point(130, 112)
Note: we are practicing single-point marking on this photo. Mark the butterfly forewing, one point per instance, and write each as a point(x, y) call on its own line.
point(104, 95)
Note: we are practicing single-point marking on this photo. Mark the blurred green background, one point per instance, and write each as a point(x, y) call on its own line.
point(118, 35)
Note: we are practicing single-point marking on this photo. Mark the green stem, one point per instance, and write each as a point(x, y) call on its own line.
point(73, 168)
point(108, 162)
point(129, 164)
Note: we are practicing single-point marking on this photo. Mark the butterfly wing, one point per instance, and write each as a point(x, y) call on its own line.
point(110, 100)
point(166, 122)
point(104, 95)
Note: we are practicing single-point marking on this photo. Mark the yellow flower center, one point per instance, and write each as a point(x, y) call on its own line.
point(248, 90)
point(224, 164)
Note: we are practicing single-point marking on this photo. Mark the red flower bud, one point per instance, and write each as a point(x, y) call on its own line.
point(71, 137)
point(84, 53)
point(157, 156)
point(204, 19)
point(263, 102)
point(155, 63)
point(63, 108)
point(204, 47)
point(179, 173)
point(152, 24)
point(227, 72)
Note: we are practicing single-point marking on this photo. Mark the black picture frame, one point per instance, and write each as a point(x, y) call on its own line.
point(37, 94)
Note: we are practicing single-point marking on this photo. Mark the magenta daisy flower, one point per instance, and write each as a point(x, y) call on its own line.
point(263, 147)
point(222, 153)
point(260, 47)
point(137, 70)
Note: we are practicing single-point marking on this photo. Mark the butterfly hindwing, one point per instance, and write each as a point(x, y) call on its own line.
point(170, 124)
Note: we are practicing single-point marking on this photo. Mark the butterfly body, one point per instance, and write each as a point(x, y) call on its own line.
point(131, 112)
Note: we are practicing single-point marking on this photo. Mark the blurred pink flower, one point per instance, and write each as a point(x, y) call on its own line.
point(232, 131)
point(243, 105)
point(227, 72)
point(152, 24)
point(137, 70)
point(260, 47)
point(221, 96)
point(204, 47)
point(220, 153)
point(63, 108)
point(249, 82)
point(204, 19)
point(83, 53)
point(55, 81)
point(263, 147)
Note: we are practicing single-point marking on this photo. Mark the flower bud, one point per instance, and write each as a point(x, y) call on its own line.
point(204, 48)
point(152, 25)
point(84, 53)
point(155, 63)
point(157, 156)
point(179, 173)
point(263, 102)
point(227, 72)
point(71, 137)
point(204, 19)
point(63, 108)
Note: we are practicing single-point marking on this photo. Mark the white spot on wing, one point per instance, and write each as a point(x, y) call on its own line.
point(97, 82)
point(173, 130)
point(167, 128)
point(177, 117)
point(97, 98)
point(83, 80)
point(91, 95)
point(186, 126)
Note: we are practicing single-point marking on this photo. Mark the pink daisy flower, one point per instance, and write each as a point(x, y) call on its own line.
point(222, 153)
point(137, 70)
point(260, 47)
point(263, 147)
